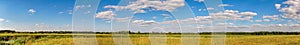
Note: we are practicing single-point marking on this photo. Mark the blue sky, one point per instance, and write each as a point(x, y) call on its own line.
point(58, 13)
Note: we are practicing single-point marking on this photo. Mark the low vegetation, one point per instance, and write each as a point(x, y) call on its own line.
point(232, 38)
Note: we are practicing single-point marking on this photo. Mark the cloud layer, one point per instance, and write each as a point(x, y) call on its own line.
point(291, 11)
point(139, 5)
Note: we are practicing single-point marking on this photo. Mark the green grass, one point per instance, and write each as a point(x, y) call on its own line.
point(143, 39)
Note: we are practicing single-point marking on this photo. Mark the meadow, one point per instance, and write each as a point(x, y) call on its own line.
point(143, 39)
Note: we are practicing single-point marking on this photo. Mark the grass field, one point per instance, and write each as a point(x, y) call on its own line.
point(143, 39)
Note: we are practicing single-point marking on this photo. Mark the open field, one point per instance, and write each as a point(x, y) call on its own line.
point(143, 39)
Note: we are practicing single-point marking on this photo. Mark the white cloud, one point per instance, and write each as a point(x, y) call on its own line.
point(277, 6)
point(223, 24)
point(258, 20)
point(66, 12)
point(38, 27)
point(166, 16)
point(82, 6)
point(256, 25)
point(199, 9)
point(291, 11)
point(6, 28)
point(154, 17)
point(61, 12)
point(233, 15)
point(200, 0)
point(227, 14)
point(31, 11)
point(2, 20)
point(78, 7)
point(210, 8)
point(203, 18)
point(144, 23)
point(139, 5)
point(207, 20)
point(274, 17)
point(248, 13)
point(223, 5)
point(125, 19)
point(108, 15)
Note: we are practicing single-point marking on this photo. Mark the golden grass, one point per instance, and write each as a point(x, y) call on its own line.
point(173, 40)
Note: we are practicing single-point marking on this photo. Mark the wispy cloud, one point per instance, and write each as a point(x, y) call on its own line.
point(2, 20)
point(199, 0)
point(273, 17)
point(144, 23)
point(139, 5)
point(223, 5)
point(77, 7)
point(210, 8)
point(31, 11)
point(40, 27)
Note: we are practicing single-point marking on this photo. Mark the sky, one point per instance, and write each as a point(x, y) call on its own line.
point(154, 15)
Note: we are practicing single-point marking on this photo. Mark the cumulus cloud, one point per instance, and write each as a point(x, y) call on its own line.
point(207, 20)
point(108, 15)
point(223, 5)
point(277, 6)
point(291, 11)
point(31, 11)
point(139, 5)
point(225, 15)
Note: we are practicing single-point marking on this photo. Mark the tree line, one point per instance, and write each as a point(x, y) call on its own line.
point(129, 32)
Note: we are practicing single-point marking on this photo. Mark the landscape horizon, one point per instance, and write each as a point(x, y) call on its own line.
point(149, 22)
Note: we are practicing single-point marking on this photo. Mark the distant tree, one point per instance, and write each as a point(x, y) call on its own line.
point(139, 32)
point(8, 31)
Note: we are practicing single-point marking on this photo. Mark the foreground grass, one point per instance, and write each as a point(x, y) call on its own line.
point(249, 40)
point(143, 39)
